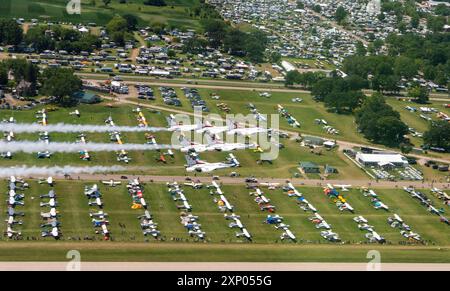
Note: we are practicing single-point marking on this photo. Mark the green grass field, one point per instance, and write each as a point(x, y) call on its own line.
point(222, 245)
point(176, 13)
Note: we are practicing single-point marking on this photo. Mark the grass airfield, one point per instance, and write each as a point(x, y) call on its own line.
point(130, 245)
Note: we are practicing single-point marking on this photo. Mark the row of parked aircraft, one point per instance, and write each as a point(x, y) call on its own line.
point(276, 220)
point(51, 224)
point(187, 219)
point(371, 235)
point(148, 226)
point(320, 223)
point(115, 136)
point(424, 200)
point(290, 119)
point(228, 210)
point(396, 221)
point(374, 199)
point(441, 195)
point(99, 218)
point(337, 198)
point(15, 200)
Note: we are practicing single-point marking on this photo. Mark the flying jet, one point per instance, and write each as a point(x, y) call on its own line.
point(173, 126)
point(195, 164)
point(235, 129)
point(44, 155)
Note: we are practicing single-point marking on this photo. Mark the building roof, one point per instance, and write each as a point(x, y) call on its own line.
point(308, 165)
point(382, 158)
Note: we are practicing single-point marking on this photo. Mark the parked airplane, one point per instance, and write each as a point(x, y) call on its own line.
point(112, 183)
point(44, 155)
point(48, 181)
point(76, 113)
point(6, 155)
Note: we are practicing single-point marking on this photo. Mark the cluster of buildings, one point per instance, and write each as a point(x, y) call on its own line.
point(364, 17)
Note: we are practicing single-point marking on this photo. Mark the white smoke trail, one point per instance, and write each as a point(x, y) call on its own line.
point(66, 147)
point(54, 171)
point(73, 128)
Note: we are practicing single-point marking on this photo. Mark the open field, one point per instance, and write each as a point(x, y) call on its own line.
point(129, 244)
point(176, 13)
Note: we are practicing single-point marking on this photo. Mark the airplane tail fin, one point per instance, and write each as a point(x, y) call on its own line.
point(171, 120)
point(190, 161)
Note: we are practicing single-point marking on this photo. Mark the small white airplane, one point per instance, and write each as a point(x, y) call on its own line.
point(51, 203)
point(9, 120)
point(344, 188)
point(269, 185)
point(12, 233)
point(227, 204)
point(9, 136)
point(244, 233)
point(287, 234)
point(194, 185)
point(51, 214)
point(76, 113)
point(112, 183)
point(123, 157)
point(96, 202)
point(6, 155)
point(48, 181)
point(44, 155)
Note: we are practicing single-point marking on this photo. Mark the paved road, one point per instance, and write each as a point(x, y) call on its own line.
point(241, 181)
point(218, 266)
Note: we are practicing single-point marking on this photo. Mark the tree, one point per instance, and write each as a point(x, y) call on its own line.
point(419, 94)
point(3, 75)
point(379, 122)
point(275, 57)
point(62, 84)
point(132, 21)
point(11, 32)
point(106, 2)
point(360, 49)
point(195, 45)
point(343, 102)
point(215, 30)
point(155, 2)
point(438, 135)
point(405, 67)
point(317, 8)
point(390, 130)
point(292, 77)
point(340, 14)
point(117, 24)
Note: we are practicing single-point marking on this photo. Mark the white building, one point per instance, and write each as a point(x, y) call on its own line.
point(381, 159)
point(288, 66)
